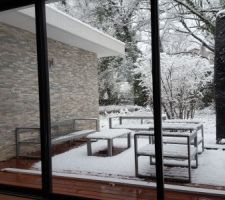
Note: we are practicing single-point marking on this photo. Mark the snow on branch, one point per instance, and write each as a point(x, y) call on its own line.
point(221, 14)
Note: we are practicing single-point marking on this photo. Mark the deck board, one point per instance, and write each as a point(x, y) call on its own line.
point(7, 197)
point(94, 189)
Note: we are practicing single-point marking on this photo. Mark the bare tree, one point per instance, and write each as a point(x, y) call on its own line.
point(182, 76)
point(198, 19)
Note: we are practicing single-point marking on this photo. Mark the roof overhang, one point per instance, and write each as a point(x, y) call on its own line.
point(13, 4)
point(66, 29)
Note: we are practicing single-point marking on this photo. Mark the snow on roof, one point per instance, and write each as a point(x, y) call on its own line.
point(66, 29)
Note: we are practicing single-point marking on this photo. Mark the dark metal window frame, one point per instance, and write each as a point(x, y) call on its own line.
point(156, 81)
point(44, 103)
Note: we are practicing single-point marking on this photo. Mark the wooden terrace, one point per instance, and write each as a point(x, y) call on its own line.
point(85, 188)
point(94, 189)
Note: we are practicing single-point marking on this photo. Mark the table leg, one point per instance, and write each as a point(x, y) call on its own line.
point(189, 160)
point(203, 146)
point(150, 139)
point(120, 120)
point(135, 155)
point(128, 140)
point(196, 146)
point(110, 146)
point(89, 150)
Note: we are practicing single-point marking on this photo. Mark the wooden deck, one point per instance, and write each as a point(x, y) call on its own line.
point(94, 189)
point(7, 197)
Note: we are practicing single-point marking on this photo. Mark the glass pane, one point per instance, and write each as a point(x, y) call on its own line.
point(19, 99)
point(74, 81)
point(90, 79)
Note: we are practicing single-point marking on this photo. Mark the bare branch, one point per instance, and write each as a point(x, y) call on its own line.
point(196, 12)
point(195, 36)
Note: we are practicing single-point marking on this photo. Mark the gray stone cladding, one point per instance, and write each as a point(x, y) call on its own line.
point(73, 84)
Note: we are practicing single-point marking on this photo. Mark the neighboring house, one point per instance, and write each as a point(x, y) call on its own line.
point(126, 93)
point(73, 51)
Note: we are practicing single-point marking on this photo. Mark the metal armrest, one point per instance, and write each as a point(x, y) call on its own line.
point(110, 121)
point(18, 132)
point(88, 119)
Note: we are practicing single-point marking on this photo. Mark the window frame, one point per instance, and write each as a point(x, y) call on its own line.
point(44, 101)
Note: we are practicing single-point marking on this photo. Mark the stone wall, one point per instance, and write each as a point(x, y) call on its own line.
point(73, 84)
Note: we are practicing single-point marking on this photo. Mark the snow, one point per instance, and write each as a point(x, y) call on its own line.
point(177, 140)
point(211, 168)
point(208, 119)
point(181, 78)
point(221, 14)
point(77, 161)
point(117, 109)
point(121, 166)
point(170, 150)
point(72, 135)
point(125, 89)
point(183, 121)
point(109, 134)
point(133, 126)
point(180, 126)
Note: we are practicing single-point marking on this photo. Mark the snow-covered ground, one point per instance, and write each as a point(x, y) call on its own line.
point(211, 162)
point(208, 118)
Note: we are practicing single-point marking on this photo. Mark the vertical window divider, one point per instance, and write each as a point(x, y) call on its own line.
point(44, 97)
point(156, 81)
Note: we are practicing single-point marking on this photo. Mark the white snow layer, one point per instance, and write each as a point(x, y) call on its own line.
point(210, 171)
point(221, 14)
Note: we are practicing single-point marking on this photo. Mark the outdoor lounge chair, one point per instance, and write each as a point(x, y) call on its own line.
point(173, 152)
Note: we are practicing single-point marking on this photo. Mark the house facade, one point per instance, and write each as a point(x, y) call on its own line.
point(73, 51)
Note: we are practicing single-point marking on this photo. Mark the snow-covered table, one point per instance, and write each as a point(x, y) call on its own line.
point(166, 126)
point(108, 135)
point(176, 152)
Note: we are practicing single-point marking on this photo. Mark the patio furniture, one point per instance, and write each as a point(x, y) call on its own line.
point(27, 136)
point(172, 152)
point(108, 135)
point(141, 117)
point(192, 121)
point(165, 127)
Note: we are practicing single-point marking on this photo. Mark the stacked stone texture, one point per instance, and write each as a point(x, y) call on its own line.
point(73, 84)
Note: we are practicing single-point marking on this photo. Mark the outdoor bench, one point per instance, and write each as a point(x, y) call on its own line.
point(171, 152)
point(192, 121)
point(140, 117)
point(108, 135)
point(72, 136)
point(57, 138)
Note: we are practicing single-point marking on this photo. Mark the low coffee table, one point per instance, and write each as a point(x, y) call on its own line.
point(108, 135)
